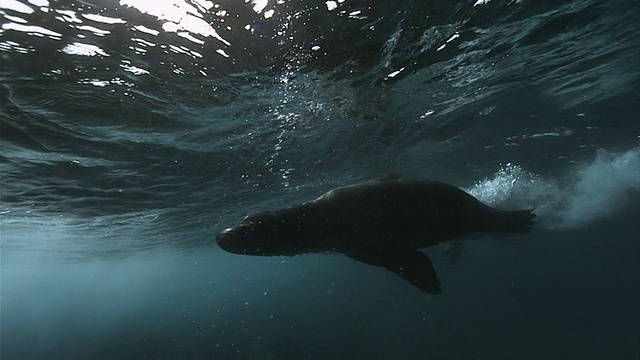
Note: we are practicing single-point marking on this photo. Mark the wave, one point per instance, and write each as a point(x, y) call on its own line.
point(589, 191)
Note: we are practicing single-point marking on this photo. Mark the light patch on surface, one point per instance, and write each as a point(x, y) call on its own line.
point(179, 16)
point(199, 26)
point(143, 42)
point(189, 37)
point(16, 6)
point(41, 3)
point(134, 69)
point(121, 82)
point(16, 19)
point(395, 73)
point(146, 30)
point(356, 15)
point(221, 52)
point(13, 46)
point(453, 37)
point(163, 10)
point(481, 2)
point(331, 5)
point(259, 5)
point(30, 29)
point(94, 30)
point(68, 16)
point(94, 82)
point(83, 50)
point(269, 13)
point(545, 134)
point(203, 5)
point(424, 116)
point(103, 19)
point(178, 49)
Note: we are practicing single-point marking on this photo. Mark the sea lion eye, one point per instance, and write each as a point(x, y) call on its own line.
point(253, 217)
point(258, 218)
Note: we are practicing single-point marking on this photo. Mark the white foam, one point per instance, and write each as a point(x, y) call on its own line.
point(589, 191)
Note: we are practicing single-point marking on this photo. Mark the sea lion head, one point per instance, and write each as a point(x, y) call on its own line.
point(267, 233)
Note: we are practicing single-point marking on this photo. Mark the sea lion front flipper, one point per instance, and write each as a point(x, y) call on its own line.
point(416, 268)
point(413, 266)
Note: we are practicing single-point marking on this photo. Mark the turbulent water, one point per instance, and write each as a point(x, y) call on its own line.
point(132, 132)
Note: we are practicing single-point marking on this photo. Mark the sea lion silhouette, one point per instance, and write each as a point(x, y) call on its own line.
point(381, 222)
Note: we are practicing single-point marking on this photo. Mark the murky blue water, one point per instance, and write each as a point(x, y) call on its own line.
point(132, 133)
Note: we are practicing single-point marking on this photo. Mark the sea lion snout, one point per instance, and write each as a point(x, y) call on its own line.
point(233, 239)
point(253, 238)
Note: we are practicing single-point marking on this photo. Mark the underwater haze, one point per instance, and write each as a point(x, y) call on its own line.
point(133, 132)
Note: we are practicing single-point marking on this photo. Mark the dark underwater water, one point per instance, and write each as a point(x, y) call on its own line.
point(131, 134)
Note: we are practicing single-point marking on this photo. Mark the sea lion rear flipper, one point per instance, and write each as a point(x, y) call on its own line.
point(416, 268)
point(413, 266)
point(519, 221)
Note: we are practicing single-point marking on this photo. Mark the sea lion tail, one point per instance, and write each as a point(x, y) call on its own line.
point(519, 221)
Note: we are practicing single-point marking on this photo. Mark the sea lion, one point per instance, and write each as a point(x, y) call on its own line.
point(381, 222)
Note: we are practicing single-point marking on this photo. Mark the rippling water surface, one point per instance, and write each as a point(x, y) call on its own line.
point(131, 132)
